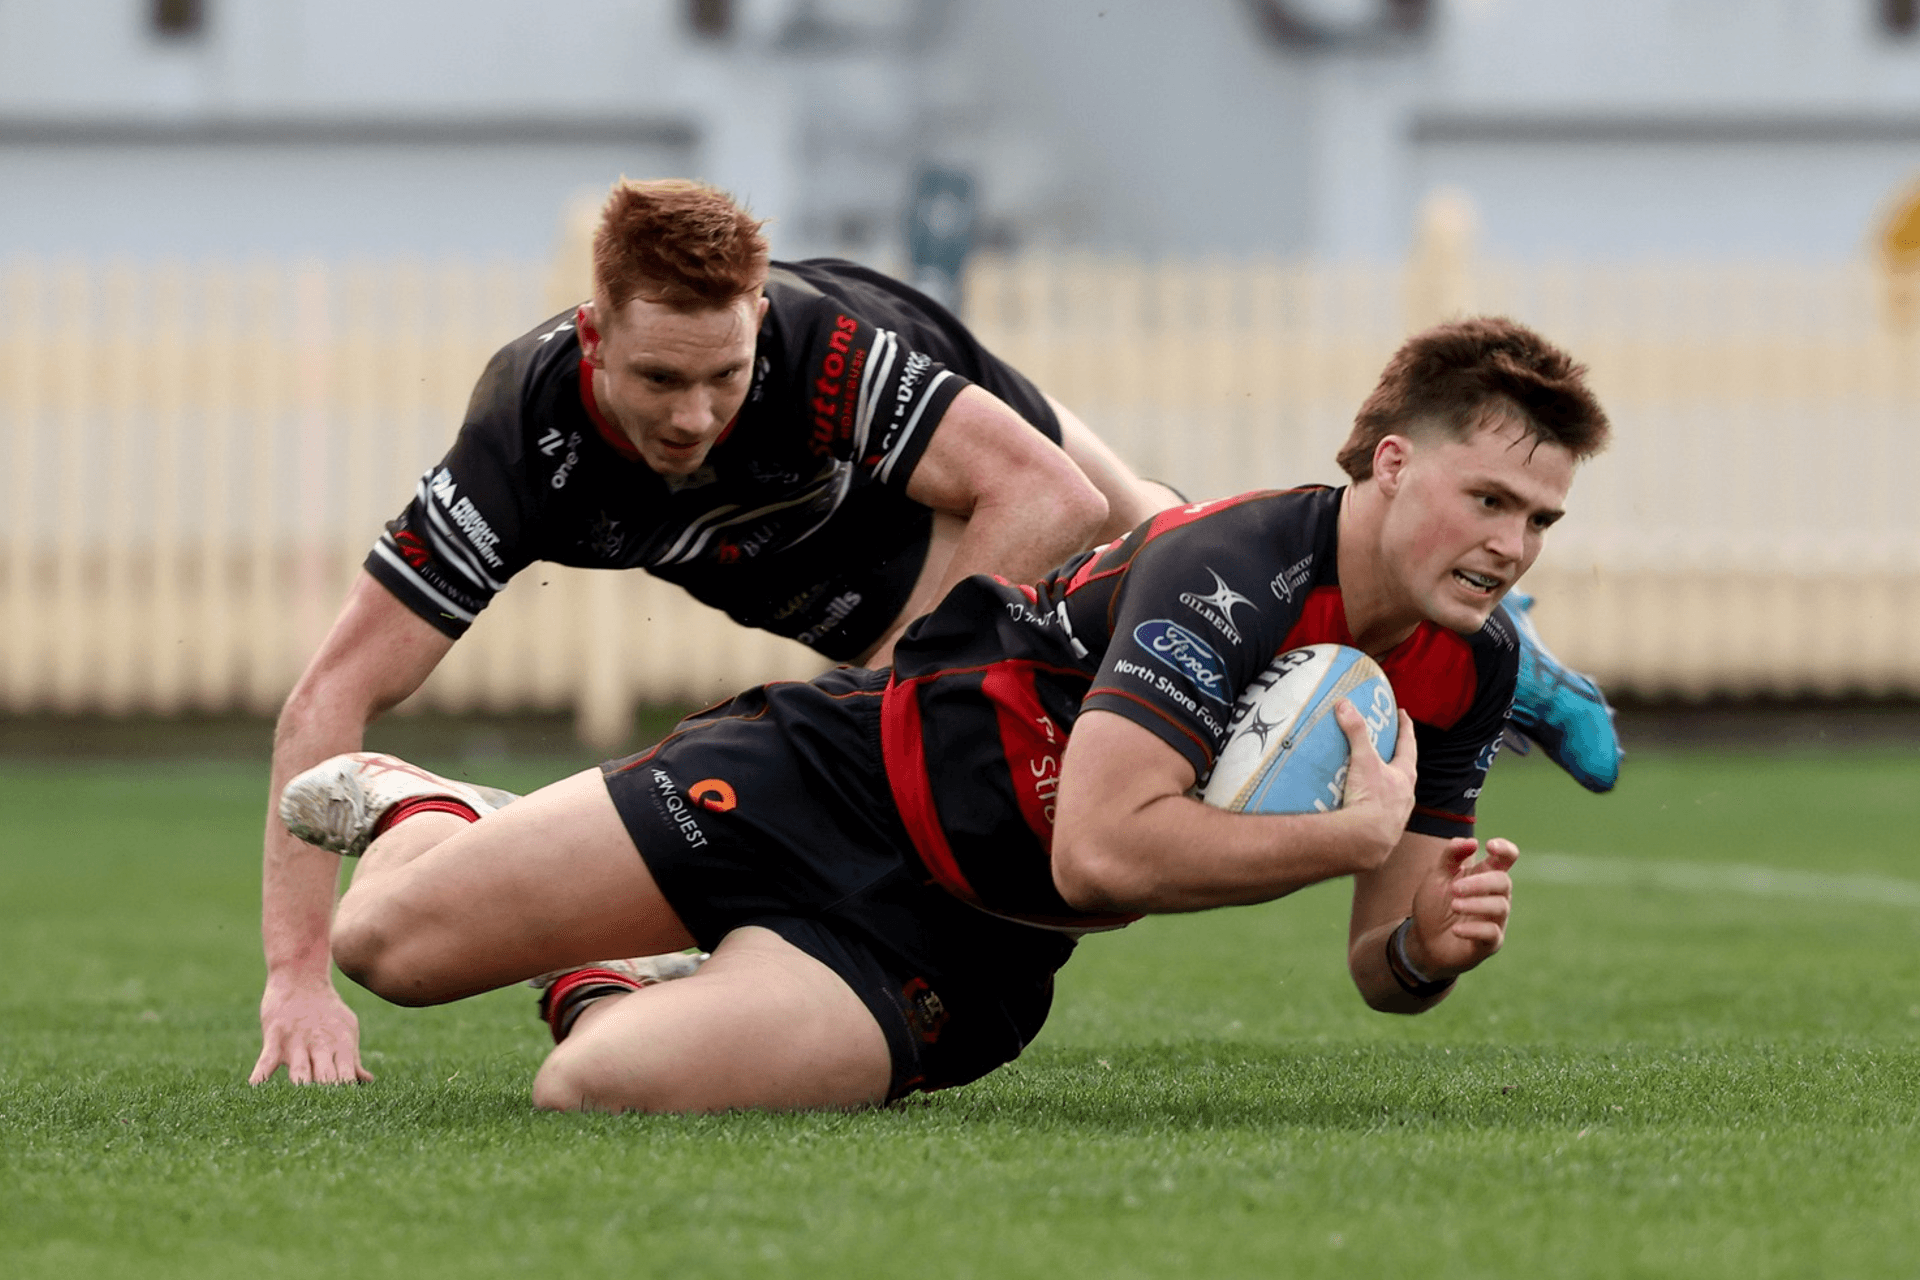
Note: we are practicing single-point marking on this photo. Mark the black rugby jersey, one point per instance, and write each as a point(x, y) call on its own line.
point(1165, 627)
point(798, 520)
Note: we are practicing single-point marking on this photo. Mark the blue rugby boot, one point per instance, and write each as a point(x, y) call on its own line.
point(1560, 709)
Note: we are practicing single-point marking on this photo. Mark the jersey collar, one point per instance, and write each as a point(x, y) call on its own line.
point(620, 444)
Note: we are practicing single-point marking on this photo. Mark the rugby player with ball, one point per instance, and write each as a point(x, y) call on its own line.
point(889, 866)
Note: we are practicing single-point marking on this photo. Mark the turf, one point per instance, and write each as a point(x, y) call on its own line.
point(1708, 1075)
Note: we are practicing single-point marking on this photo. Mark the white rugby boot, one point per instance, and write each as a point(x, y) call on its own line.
point(645, 970)
point(338, 803)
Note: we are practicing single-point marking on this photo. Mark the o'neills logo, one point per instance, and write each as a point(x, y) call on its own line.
point(837, 610)
point(839, 372)
point(677, 811)
point(1174, 646)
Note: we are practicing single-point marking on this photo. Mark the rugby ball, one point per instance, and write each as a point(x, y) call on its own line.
point(1285, 752)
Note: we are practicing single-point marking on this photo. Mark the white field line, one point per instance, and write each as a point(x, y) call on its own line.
point(1716, 877)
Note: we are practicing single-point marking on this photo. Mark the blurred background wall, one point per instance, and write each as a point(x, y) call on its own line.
point(253, 253)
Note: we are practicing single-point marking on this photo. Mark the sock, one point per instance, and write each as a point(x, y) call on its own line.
point(562, 1003)
point(405, 809)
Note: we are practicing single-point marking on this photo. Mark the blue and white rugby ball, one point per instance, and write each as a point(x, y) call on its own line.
point(1285, 753)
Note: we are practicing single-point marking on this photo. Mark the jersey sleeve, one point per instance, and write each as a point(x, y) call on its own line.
point(1194, 622)
point(872, 400)
point(1454, 761)
point(466, 531)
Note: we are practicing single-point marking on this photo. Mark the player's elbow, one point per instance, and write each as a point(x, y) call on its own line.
point(1094, 875)
point(1083, 512)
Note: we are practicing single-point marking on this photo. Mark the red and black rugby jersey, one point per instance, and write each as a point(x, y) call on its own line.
point(852, 373)
point(1165, 628)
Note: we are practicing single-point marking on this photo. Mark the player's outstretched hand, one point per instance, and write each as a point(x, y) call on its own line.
point(312, 1033)
point(1460, 911)
point(1379, 793)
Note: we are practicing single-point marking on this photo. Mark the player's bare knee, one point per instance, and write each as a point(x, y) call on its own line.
point(554, 1087)
point(571, 1080)
point(368, 946)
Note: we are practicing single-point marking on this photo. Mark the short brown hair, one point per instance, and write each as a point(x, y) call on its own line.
point(681, 244)
point(1455, 375)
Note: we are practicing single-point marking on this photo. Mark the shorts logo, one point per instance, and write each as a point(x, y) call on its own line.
point(715, 794)
point(926, 1012)
point(1291, 579)
point(1217, 607)
point(674, 806)
point(1173, 645)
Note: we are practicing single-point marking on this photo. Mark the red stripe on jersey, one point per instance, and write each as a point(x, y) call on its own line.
point(1031, 743)
point(1432, 671)
point(1174, 517)
point(903, 748)
point(621, 445)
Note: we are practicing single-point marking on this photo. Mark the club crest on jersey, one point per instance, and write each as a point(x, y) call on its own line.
point(1217, 607)
point(1174, 646)
point(604, 537)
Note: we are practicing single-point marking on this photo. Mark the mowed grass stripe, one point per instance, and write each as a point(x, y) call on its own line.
point(1712, 877)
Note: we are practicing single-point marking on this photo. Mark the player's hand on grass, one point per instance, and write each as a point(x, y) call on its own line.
point(1460, 911)
point(1379, 793)
point(310, 1031)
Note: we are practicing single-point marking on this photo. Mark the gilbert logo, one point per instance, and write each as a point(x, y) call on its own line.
point(715, 794)
point(1217, 607)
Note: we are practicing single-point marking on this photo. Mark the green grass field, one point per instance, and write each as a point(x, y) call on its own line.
point(1699, 1056)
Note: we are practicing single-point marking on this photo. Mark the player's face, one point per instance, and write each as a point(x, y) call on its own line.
point(1468, 517)
point(672, 380)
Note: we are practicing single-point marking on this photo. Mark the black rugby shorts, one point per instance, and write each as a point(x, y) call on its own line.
point(773, 810)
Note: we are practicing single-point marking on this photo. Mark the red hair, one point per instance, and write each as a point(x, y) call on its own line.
point(682, 244)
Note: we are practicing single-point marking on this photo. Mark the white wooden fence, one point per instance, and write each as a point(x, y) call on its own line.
point(193, 462)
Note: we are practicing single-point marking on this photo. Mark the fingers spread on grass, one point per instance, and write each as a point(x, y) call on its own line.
point(268, 1063)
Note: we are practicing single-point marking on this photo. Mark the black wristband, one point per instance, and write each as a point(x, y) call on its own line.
point(1411, 980)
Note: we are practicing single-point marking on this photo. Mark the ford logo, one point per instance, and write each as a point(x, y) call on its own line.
point(1173, 645)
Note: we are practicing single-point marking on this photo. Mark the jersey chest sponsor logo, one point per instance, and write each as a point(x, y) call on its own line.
point(1044, 768)
point(1291, 579)
point(835, 385)
point(1173, 645)
point(551, 444)
point(466, 517)
point(917, 364)
point(1217, 606)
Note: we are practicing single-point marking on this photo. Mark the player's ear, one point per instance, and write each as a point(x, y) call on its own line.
point(586, 323)
point(760, 312)
point(1390, 458)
